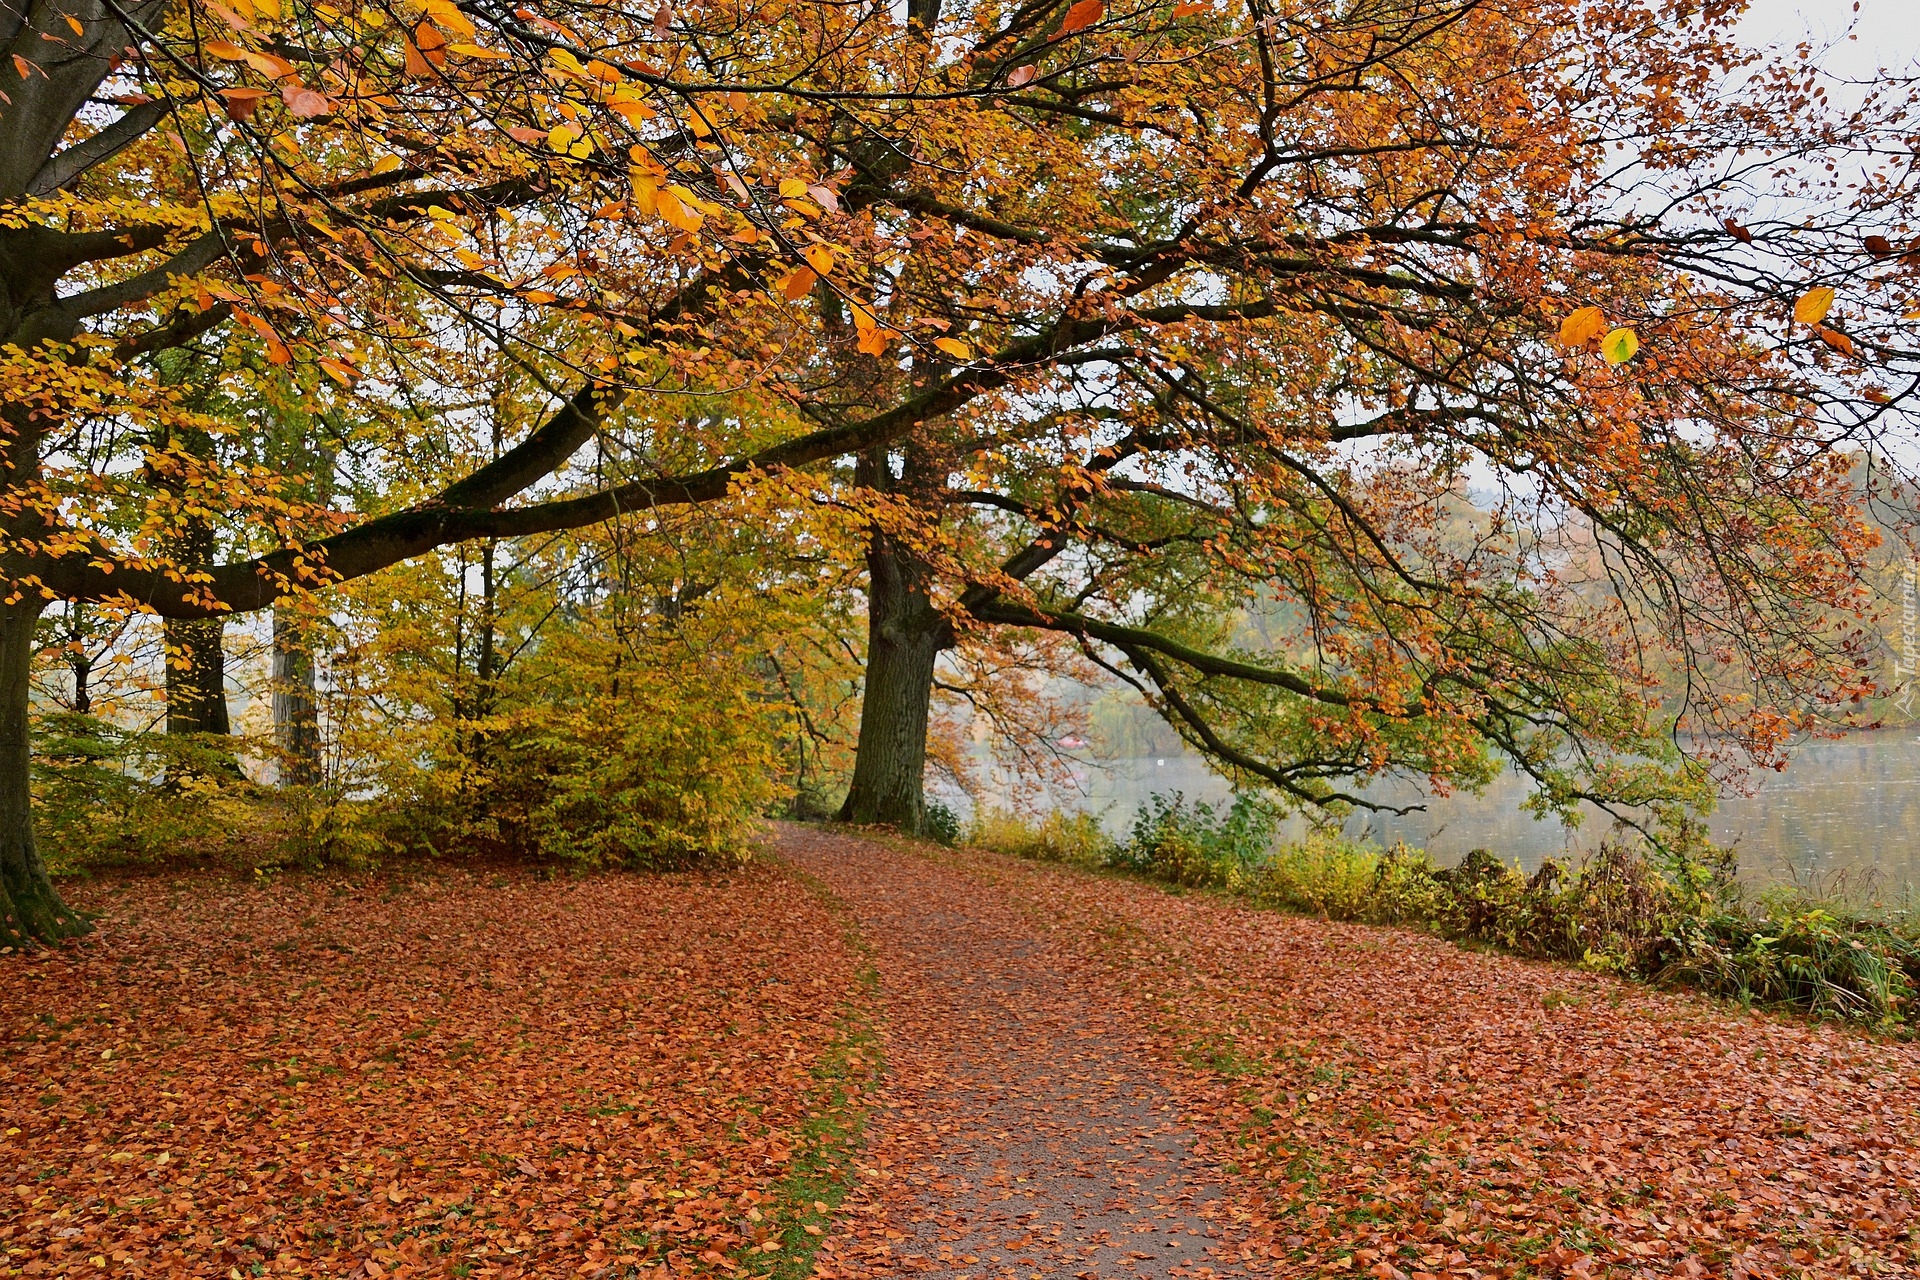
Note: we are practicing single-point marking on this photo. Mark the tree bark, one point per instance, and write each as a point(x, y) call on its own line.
point(197, 690)
point(30, 907)
point(905, 635)
point(296, 707)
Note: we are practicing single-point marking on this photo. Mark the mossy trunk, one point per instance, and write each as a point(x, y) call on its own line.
point(30, 907)
point(197, 677)
point(905, 635)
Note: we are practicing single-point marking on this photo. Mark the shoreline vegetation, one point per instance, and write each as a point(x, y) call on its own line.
point(1626, 910)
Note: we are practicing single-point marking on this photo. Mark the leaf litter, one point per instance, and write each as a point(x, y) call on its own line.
point(462, 1075)
point(1084, 1075)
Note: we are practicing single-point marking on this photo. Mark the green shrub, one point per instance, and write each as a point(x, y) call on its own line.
point(1059, 837)
point(1622, 911)
point(1194, 845)
point(942, 823)
point(108, 796)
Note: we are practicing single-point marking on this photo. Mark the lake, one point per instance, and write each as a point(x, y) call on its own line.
point(1850, 806)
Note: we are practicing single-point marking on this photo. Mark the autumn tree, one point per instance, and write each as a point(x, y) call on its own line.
point(1488, 253)
point(955, 231)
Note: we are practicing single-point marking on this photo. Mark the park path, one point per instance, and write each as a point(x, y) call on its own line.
point(1023, 1132)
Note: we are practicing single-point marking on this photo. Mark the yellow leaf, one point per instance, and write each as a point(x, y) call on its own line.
point(447, 14)
point(539, 295)
point(1813, 305)
point(386, 164)
point(75, 24)
point(1582, 326)
point(955, 348)
point(792, 189)
point(271, 8)
point(1619, 345)
point(561, 137)
point(477, 51)
point(820, 258)
point(798, 283)
point(675, 214)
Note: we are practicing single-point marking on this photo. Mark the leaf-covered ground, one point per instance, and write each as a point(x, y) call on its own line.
point(1376, 1101)
point(458, 1074)
point(500, 1076)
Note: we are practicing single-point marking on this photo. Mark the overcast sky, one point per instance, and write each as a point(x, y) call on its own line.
point(1888, 30)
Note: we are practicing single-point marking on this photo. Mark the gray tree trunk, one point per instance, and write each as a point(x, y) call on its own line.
point(296, 706)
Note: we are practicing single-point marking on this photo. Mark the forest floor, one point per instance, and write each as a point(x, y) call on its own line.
point(874, 1058)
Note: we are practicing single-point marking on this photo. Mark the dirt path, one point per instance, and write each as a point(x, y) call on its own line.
point(1025, 1133)
point(1094, 1077)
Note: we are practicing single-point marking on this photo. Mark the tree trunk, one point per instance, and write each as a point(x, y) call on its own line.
point(196, 677)
point(30, 908)
point(296, 708)
point(905, 635)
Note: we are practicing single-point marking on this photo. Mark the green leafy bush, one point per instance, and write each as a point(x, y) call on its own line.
point(1674, 920)
point(942, 823)
point(109, 796)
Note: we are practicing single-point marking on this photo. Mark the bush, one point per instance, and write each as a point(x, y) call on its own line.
point(942, 823)
point(108, 796)
point(1059, 837)
point(1619, 912)
point(1193, 845)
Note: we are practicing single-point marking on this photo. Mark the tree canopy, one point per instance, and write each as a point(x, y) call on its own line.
point(1382, 386)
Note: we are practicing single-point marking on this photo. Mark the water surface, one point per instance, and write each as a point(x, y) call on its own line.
point(1850, 806)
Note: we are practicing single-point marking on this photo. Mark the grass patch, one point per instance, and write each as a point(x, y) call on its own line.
point(822, 1169)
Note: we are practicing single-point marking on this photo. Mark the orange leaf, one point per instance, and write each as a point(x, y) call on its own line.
point(344, 374)
point(1188, 10)
point(955, 348)
point(427, 50)
point(1582, 326)
point(820, 258)
point(242, 102)
point(873, 341)
point(1082, 15)
point(303, 103)
point(1021, 75)
point(1834, 338)
point(797, 284)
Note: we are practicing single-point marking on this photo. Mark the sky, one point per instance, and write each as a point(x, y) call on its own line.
point(1887, 31)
